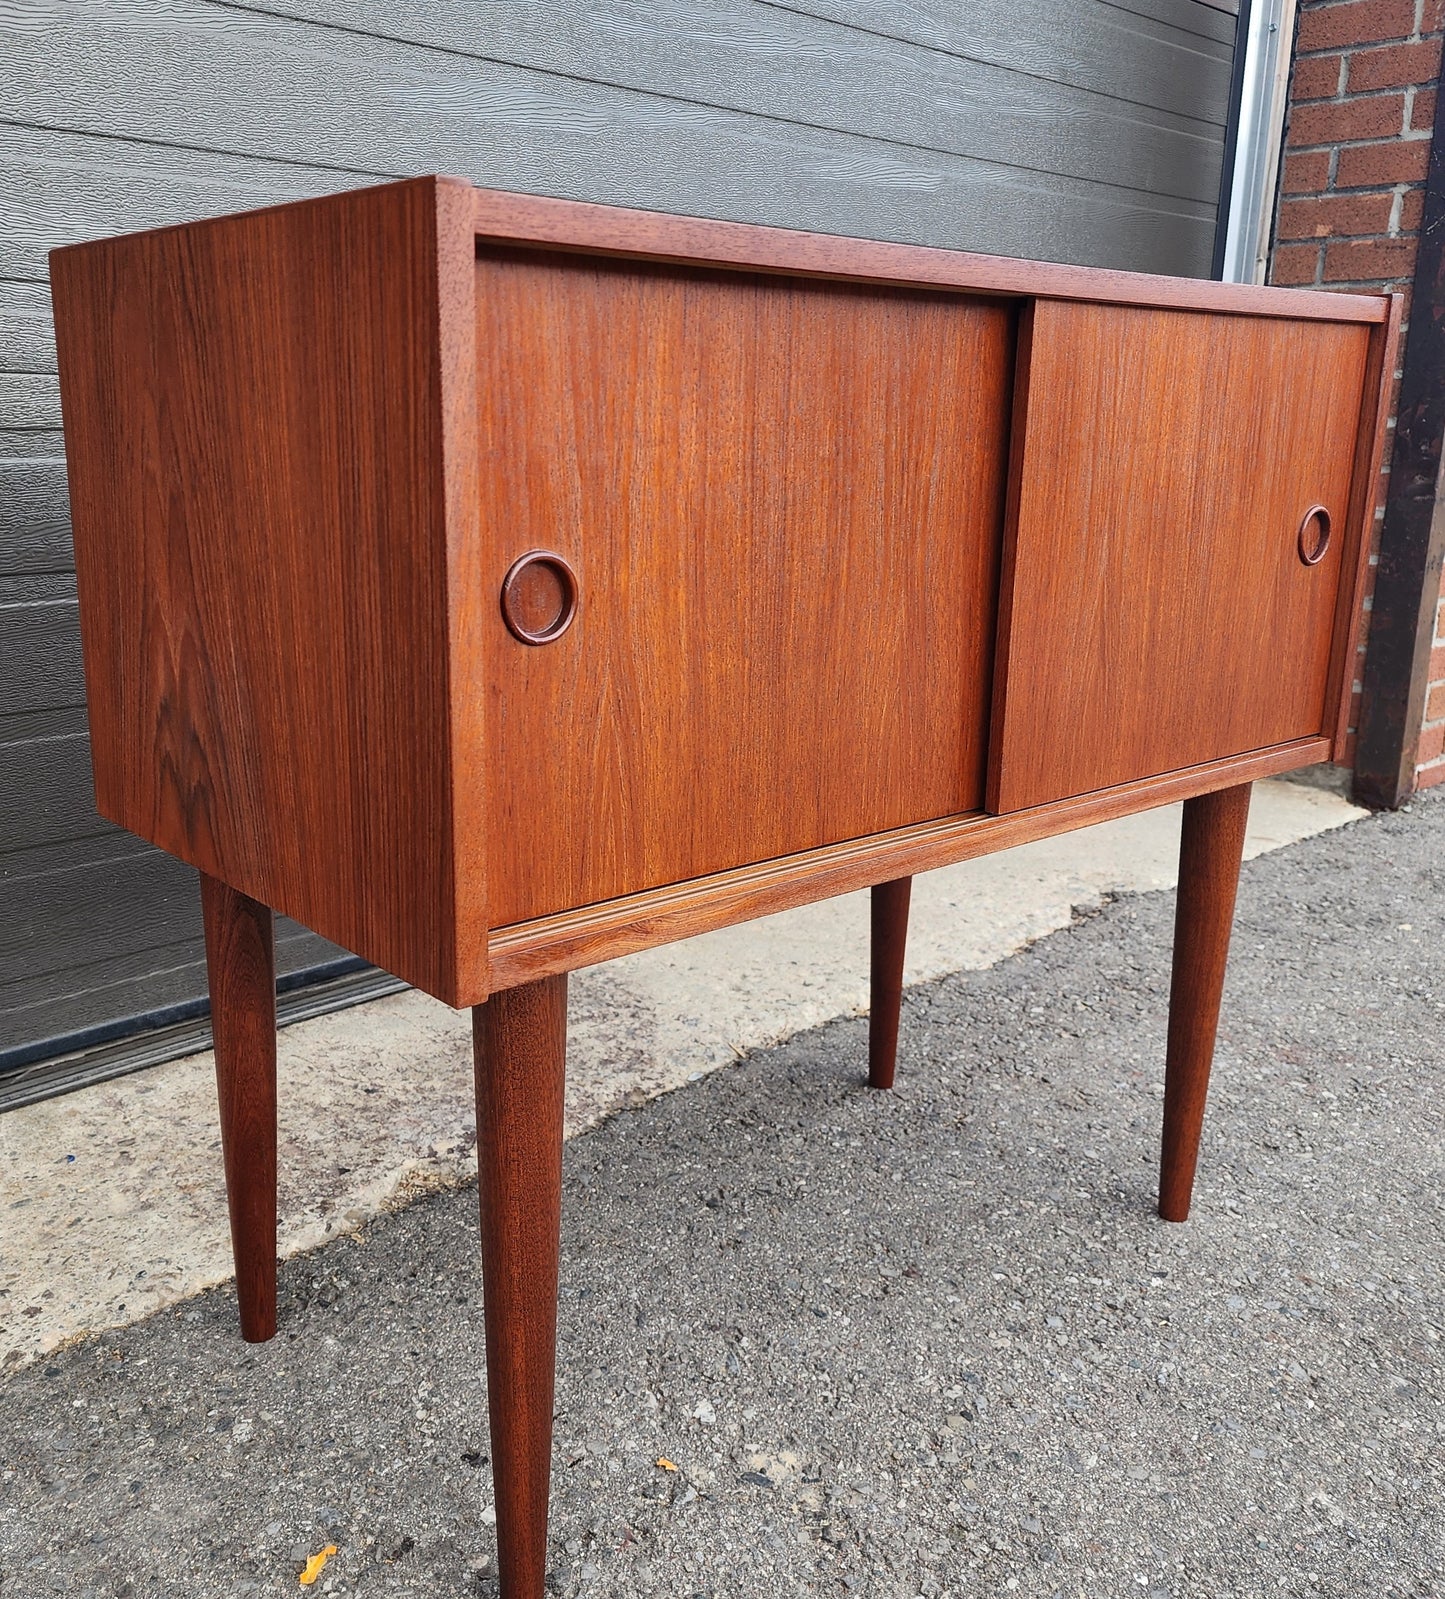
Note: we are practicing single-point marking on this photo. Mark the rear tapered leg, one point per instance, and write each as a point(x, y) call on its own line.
point(1210, 849)
point(520, 1039)
point(241, 965)
point(889, 910)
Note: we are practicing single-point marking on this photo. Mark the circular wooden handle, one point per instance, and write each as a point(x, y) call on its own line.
point(539, 596)
point(1314, 535)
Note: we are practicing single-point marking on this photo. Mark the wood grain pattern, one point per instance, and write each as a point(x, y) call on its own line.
point(888, 914)
point(291, 599)
point(617, 230)
point(787, 552)
point(1158, 614)
point(265, 505)
point(520, 1051)
point(1210, 849)
point(241, 966)
point(601, 932)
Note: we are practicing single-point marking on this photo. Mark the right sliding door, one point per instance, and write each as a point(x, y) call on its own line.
point(1172, 563)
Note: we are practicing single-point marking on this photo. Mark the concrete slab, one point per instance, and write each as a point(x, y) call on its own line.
point(113, 1200)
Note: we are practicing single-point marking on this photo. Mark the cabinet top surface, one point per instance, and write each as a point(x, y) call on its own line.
point(502, 216)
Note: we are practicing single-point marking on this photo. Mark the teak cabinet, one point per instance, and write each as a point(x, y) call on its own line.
point(499, 584)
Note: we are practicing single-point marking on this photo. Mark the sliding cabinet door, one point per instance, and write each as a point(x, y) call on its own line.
point(783, 503)
point(1174, 549)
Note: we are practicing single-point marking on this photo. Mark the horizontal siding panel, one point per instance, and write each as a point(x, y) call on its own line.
point(60, 188)
point(35, 445)
point(1182, 68)
point(96, 905)
point(174, 975)
point(325, 97)
point(177, 977)
point(27, 333)
point(1211, 20)
point(35, 588)
point(46, 794)
point(782, 63)
point(40, 657)
point(34, 516)
point(913, 196)
point(110, 843)
point(132, 982)
point(29, 400)
point(1178, 61)
point(139, 904)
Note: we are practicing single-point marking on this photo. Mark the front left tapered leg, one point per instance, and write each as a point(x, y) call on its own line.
point(1211, 847)
point(520, 1038)
point(241, 965)
point(889, 919)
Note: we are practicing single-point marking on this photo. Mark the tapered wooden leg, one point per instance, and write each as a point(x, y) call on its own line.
point(1210, 848)
point(241, 964)
point(520, 1039)
point(890, 938)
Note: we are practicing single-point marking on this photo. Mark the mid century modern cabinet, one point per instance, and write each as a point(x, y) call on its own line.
point(499, 584)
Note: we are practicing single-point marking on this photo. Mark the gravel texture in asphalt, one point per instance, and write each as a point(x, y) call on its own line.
point(932, 1342)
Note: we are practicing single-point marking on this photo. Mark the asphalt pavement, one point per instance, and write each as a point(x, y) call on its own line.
point(933, 1342)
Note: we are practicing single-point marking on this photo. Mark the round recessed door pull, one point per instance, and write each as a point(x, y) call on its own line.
point(1314, 535)
point(539, 596)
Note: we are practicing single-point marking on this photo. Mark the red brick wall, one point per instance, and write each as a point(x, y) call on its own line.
point(1361, 112)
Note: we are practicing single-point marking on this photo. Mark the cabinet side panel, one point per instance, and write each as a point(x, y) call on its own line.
point(1160, 613)
point(252, 432)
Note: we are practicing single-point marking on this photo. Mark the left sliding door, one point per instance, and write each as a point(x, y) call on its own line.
point(782, 500)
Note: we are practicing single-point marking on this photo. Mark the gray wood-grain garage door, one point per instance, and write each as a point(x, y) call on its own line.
point(1075, 130)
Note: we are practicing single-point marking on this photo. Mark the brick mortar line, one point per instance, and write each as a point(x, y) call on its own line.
point(1359, 98)
point(1356, 191)
point(1403, 237)
point(1404, 136)
point(1365, 46)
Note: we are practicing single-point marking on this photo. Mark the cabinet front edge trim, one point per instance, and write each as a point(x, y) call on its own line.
point(504, 218)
